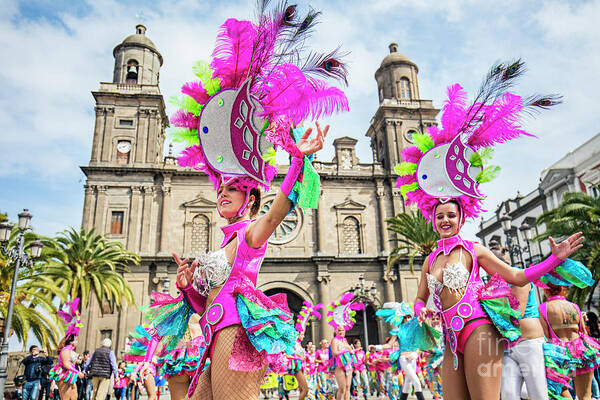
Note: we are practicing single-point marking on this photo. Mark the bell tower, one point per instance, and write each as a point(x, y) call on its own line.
point(401, 111)
point(130, 110)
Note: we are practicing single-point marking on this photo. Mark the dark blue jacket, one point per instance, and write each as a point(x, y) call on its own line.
point(34, 367)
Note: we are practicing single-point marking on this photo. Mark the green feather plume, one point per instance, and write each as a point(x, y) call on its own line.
point(203, 72)
point(480, 158)
point(186, 103)
point(487, 174)
point(423, 141)
point(408, 188)
point(184, 135)
point(270, 156)
point(405, 168)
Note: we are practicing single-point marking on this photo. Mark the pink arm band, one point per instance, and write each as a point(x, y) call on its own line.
point(197, 302)
point(292, 175)
point(536, 271)
point(418, 306)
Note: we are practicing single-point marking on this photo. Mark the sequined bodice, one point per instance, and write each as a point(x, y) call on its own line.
point(455, 277)
point(212, 271)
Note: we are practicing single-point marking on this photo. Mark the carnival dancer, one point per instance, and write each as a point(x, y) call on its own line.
point(297, 361)
point(374, 382)
point(341, 317)
point(411, 336)
point(360, 369)
point(64, 372)
point(311, 371)
point(325, 384)
point(523, 360)
point(569, 351)
point(249, 99)
point(441, 175)
point(434, 357)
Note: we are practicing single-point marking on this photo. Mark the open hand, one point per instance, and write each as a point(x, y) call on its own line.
point(567, 247)
point(185, 272)
point(310, 146)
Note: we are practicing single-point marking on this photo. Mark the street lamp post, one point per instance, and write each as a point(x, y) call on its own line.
point(366, 296)
point(514, 249)
point(17, 255)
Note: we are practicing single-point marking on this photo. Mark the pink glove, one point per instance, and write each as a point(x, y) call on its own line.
point(417, 307)
point(536, 271)
point(193, 298)
point(292, 175)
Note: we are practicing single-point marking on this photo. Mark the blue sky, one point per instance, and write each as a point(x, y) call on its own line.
point(55, 52)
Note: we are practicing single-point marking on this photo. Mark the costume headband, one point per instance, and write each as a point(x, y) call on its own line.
point(452, 162)
point(393, 313)
point(341, 312)
point(261, 82)
point(308, 310)
point(71, 316)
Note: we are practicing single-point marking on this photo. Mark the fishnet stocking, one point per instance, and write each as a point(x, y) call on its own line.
point(219, 382)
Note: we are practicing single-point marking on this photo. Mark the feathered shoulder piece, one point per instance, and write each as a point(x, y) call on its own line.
point(308, 311)
point(393, 313)
point(142, 341)
point(341, 312)
point(262, 81)
point(71, 317)
point(451, 162)
point(569, 273)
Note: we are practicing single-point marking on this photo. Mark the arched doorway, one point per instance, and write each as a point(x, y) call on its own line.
point(358, 330)
point(295, 305)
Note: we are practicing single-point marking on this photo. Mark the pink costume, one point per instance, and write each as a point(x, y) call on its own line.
point(359, 364)
point(311, 365)
point(253, 348)
point(61, 374)
point(583, 350)
point(296, 362)
point(323, 356)
point(345, 359)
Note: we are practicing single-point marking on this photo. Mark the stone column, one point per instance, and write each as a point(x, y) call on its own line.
point(100, 218)
point(99, 131)
point(320, 230)
point(134, 211)
point(87, 219)
point(385, 243)
point(166, 207)
point(142, 135)
point(324, 279)
point(107, 137)
point(146, 219)
point(388, 284)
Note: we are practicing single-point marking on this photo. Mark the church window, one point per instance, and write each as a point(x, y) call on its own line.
point(125, 122)
point(410, 134)
point(200, 234)
point(106, 334)
point(351, 236)
point(405, 89)
point(288, 229)
point(132, 72)
point(116, 222)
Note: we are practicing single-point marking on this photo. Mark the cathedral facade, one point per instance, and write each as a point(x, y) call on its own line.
point(143, 199)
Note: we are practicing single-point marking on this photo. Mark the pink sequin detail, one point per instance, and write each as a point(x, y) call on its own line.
point(244, 356)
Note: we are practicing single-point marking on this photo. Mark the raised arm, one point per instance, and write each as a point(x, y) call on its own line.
point(260, 230)
point(520, 277)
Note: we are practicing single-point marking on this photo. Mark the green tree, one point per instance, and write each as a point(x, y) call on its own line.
point(34, 311)
point(86, 263)
point(578, 212)
point(415, 237)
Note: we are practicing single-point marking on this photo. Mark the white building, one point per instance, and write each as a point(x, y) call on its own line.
point(577, 171)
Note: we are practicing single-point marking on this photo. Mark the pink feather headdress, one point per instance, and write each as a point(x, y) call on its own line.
point(258, 85)
point(308, 310)
point(450, 163)
point(71, 317)
point(341, 312)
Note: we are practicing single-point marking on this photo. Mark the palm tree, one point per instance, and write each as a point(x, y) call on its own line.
point(578, 212)
point(86, 263)
point(33, 310)
point(414, 235)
